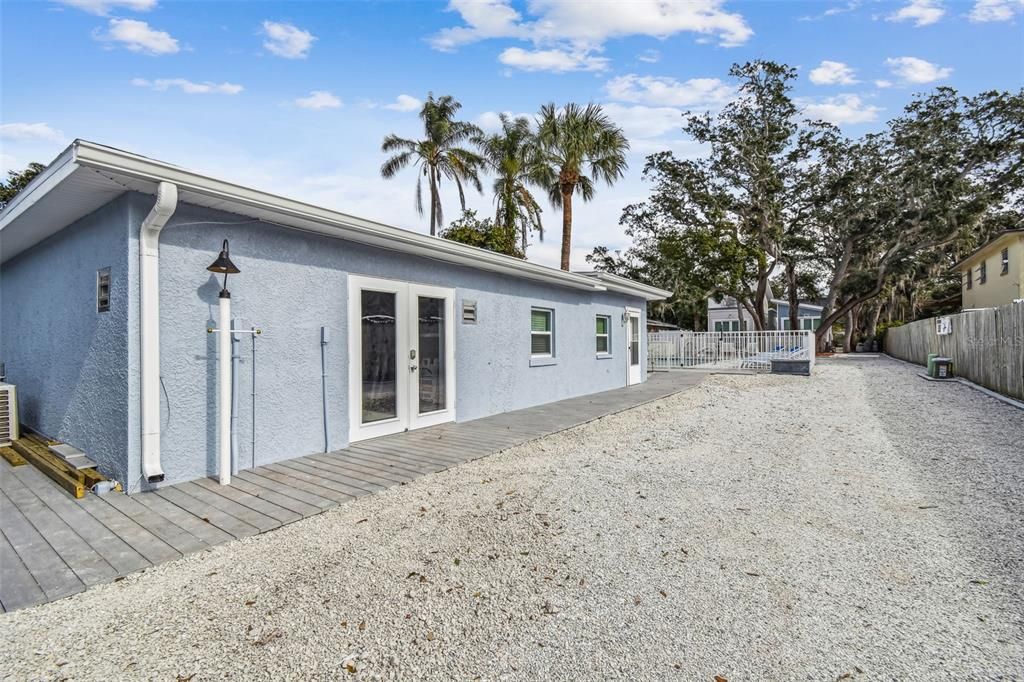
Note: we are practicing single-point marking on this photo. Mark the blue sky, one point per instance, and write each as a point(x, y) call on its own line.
point(295, 97)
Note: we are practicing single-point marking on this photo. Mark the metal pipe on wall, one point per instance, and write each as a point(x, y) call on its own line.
point(324, 339)
point(235, 360)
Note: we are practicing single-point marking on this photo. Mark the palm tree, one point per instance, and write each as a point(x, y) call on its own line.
point(570, 140)
point(513, 156)
point(439, 155)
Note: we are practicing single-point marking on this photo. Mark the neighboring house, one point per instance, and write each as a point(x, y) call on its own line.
point(367, 329)
point(724, 317)
point(808, 316)
point(994, 274)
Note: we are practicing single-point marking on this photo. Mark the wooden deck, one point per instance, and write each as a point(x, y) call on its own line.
point(52, 545)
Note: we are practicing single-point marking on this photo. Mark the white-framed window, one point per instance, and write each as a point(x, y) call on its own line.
point(1004, 261)
point(542, 332)
point(727, 325)
point(603, 330)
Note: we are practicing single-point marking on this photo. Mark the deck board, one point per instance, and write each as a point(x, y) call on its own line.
point(52, 545)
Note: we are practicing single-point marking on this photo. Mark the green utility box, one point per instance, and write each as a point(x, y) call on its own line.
point(931, 364)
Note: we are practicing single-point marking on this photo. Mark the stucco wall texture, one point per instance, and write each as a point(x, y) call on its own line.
point(292, 283)
point(78, 370)
point(70, 362)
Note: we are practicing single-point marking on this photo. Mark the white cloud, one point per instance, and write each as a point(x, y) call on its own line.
point(318, 99)
point(921, 12)
point(591, 23)
point(832, 73)
point(914, 70)
point(490, 121)
point(833, 11)
point(287, 40)
point(404, 103)
point(138, 36)
point(842, 109)
point(189, 87)
point(103, 7)
point(558, 61)
point(639, 121)
point(882, 83)
point(30, 131)
point(649, 56)
point(665, 91)
point(995, 10)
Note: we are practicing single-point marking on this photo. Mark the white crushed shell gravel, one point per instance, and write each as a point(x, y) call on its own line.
point(860, 524)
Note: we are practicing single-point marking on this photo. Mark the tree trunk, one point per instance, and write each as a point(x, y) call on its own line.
point(434, 200)
point(794, 298)
point(848, 336)
point(873, 322)
point(566, 226)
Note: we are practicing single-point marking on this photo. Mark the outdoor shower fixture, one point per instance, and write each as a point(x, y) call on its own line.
point(224, 265)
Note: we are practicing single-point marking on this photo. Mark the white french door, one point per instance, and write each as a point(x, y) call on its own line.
point(401, 356)
point(633, 346)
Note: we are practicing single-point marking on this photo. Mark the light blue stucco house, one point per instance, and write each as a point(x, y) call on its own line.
point(366, 329)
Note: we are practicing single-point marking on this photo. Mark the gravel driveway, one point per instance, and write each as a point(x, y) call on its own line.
point(861, 524)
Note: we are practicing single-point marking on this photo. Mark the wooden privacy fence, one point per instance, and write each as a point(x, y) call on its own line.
point(986, 346)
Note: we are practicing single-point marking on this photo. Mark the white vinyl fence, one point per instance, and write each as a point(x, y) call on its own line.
point(727, 350)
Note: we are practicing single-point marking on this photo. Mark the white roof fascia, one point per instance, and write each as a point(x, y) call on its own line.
point(40, 186)
point(623, 285)
point(117, 162)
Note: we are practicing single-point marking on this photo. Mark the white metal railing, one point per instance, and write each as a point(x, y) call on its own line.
point(727, 350)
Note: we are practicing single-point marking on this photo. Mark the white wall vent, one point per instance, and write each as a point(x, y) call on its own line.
point(468, 312)
point(8, 415)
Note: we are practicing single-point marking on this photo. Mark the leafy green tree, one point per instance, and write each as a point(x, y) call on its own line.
point(485, 234)
point(441, 154)
point(17, 181)
point(580, 146)
point(901, 206)
point(514, 158)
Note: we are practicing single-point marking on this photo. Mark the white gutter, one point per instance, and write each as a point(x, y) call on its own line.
point(149, 317)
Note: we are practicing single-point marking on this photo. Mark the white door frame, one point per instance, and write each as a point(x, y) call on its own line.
point(634, 373)
point(407, 339)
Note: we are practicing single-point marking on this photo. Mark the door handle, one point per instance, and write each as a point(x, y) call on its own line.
point(413, 368)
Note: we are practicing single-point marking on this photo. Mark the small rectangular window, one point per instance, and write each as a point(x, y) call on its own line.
point(541, 325)
point(969, 279)
point(1004, 257)
point(468, 312)
point(981, 273)
point(603, 329)
point(103, 290)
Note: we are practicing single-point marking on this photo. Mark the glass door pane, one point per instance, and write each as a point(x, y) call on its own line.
point(380, 356)
point(634, 340)
point(430, 340)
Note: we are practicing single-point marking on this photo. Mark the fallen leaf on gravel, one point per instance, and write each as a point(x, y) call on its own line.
point(362, 626)
point(344, 623)
point(360, 521)
point(663, 593)
point(929, 506)
point(430, 636)
point(118, 578)
point(979, 582)
point(637, 600)
point(182, 678)
point(756, 575)
point(457, 561)
point(250, 602)
point(719, 678)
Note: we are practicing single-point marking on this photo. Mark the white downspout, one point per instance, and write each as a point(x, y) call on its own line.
point(149, 314)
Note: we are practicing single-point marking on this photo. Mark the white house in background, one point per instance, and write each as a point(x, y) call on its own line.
point(724, 317)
